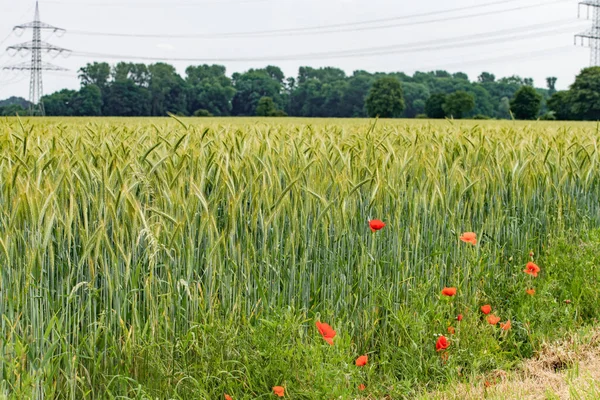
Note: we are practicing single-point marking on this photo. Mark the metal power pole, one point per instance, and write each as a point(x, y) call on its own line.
point(37, 66)
point(592, 35)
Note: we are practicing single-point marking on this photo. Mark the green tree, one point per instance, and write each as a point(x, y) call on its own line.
point(458, 104)
point(434, 106)
point(126, 99)
point(526, 103)
point(560, 105)
point(327, 74)
point(385, 98)
point(87, 102)
point(415, 96)
point(168, 90)
point(59, 103)
point(251, 86)
point(484, 103)
point(486, 77)
point(460, 75)
point(15, 100)
point(266, 107)
point(210, 89)
point(551, 84)
point(137, 73)
point(95, 74)
point(315, 98)
point(584, 95)
point(355, 93)
point(320, 92)
point(12, 109)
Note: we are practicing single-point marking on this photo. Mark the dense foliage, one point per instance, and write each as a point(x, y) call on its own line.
point(526, 103)
point(128, 89)
point(385, 98)
point(582, 100)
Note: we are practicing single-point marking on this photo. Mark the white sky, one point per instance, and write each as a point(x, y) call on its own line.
point(541, 46)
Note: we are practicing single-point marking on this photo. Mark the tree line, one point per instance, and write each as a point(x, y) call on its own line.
point(130, 89)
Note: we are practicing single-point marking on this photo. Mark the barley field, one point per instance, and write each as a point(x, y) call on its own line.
point(192, 258)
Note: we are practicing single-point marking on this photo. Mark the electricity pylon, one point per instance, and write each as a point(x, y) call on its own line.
point(592, 35)
point(37, 66)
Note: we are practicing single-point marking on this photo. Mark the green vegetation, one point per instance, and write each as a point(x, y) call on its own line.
point(385, 99)
point(526, 103)
point(13, 106)
point(582, 100)
point(434, 107)
point(128, 89)
point(191, 258)
point(458, 104)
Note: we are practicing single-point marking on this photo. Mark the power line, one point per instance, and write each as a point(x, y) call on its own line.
point(511, 57)
point(5, 39)
point(158, 4)
point(456, 42)
point(332, 28)
point(12, 31)
point(503, 58)
point(13, 80)
point(416, 23)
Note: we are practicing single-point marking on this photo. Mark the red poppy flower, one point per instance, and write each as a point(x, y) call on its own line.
point(530, 292)
point(442, 343)
point(451, 330)
point(361, 387)
point(449, 291)
point(376, 225)
point(469, 237)
point(486, 309)
point(279, 391)
point(532, 269)
point(493, 320)
point(506, 326)
point(362, 361)
point(459, 317)
point(326, 331)
point(228, 397)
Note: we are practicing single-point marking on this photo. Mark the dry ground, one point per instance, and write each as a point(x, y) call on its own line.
point(565, 370)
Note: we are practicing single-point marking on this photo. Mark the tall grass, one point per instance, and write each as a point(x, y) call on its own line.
point(121, 240)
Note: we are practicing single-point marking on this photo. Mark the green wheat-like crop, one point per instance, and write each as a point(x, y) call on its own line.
point(117, 235)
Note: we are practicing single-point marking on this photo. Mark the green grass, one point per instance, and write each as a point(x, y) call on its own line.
point(156, 258)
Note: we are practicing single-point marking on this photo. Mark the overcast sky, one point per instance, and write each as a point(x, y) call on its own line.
point(531, 38)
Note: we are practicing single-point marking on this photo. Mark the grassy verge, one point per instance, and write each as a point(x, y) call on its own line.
point(564, 369)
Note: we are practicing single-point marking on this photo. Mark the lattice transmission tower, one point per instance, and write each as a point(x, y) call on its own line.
point(37, 66)
point(592, 36)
